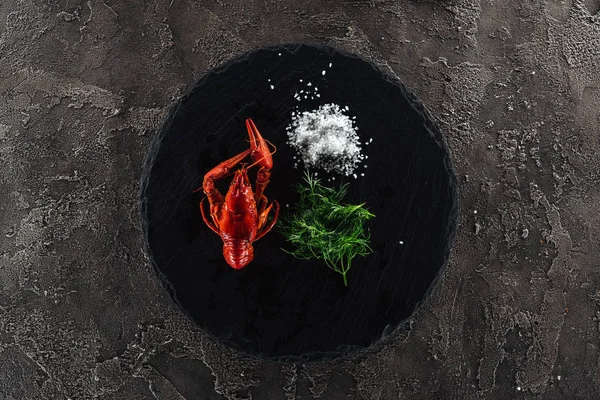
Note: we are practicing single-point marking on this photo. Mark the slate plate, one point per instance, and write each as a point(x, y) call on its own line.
point(278, 307)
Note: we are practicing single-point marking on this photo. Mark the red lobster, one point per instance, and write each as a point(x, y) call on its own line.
point(240, 218)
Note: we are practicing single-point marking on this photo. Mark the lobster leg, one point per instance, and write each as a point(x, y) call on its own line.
point(212, 225)
point(263, 211)
point(263, 218)
point(261, 155)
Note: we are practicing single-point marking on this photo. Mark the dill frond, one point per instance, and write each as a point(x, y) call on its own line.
point(320, 226)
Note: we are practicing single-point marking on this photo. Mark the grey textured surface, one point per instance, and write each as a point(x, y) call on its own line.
point(515, 86)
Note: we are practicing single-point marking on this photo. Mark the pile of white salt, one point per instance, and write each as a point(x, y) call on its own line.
point(326, 138)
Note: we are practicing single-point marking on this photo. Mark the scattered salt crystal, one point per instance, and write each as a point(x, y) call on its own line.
point(354, 175)
point(272, 87)
point(346, 108)
point(330, 64)
point(318, 95)
point(309, 84)
point(401, 242)
point(326, 138)
point(279, 54)
point(269, 80)
point(323, 72)
point(300, 80)
point(362, 174)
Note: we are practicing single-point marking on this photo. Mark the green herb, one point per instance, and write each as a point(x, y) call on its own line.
point(320, 226)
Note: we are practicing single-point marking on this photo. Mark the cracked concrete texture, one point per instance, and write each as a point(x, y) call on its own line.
point(515, 86)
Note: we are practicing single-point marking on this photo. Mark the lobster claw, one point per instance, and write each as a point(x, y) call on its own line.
point(260, 153)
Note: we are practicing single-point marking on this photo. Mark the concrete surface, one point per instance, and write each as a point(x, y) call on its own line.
point(514, 84)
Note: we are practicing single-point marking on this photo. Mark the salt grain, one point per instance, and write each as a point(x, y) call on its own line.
point(272, 87)
point(323, 72)
point(326, 138)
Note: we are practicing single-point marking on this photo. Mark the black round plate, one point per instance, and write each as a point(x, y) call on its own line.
point(279, 307)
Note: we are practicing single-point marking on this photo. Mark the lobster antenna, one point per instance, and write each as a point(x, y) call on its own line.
point(274, 147)
point(255, 162)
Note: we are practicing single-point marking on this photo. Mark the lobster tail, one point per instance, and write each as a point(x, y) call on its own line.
point(238, 253)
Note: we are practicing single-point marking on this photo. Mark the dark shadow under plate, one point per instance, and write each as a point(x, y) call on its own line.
point(279, 307)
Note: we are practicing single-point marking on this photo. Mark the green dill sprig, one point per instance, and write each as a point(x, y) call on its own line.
point(320, 226)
